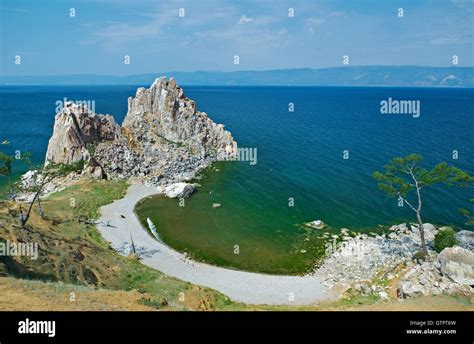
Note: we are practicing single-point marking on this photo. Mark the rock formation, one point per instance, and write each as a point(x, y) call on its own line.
point(162, 112)
point(163, 139)
point(74, 128)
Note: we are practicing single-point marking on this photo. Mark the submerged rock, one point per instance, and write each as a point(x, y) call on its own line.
point(318, 224)
point(152, 228)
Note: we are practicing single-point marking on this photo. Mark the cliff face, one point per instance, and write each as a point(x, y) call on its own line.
point(163, 138)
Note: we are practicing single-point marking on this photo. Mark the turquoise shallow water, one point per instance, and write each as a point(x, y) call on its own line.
point(299, 156)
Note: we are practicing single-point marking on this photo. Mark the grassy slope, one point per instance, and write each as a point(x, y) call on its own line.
point(74, 258)
point(74, 252)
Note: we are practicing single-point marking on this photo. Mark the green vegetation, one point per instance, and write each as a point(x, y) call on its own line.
point(42, 177)
point(466, 213)
point(403, 176)
point(6, 162)
point(91, 148)
point(444, 238)
point(6, 166)
point(419, 256)
point(74, 252)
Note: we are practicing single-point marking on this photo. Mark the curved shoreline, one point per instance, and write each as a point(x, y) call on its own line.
point(240, 286)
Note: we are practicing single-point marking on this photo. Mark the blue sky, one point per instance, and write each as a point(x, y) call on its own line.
point(212, 32)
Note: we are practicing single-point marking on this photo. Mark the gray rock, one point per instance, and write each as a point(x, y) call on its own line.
point(466, 239)
point(164, 113)
point(75, 127)
point(94, 170)
point(409, 289)
point(458, 264)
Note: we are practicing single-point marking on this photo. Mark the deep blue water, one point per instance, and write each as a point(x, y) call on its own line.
point(300, 153)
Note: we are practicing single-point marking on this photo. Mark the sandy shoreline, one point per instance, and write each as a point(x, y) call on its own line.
point(247, 287)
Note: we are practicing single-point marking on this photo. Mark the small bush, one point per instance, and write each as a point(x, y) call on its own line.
point(444, 238)
point(419, 256)
point(153, 303)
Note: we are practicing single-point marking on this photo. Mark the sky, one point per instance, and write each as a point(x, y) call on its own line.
point(50, 41)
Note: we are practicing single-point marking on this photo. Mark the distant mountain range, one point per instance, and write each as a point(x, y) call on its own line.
point(338, 76)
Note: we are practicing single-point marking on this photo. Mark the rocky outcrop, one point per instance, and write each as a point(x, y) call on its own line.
point(163, 139)
point(74, 128)
point(357, 261)
point(163, 112)
point(427, 279)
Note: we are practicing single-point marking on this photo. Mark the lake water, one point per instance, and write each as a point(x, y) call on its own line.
point(300, 158)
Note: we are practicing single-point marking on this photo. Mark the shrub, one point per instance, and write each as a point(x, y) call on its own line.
point(444, 238)
point(419, 256)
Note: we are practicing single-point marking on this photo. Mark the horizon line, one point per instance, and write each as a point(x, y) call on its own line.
point(237, 71)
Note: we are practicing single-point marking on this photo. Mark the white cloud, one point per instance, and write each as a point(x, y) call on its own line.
point(244, 19)
point(314, 21)
point(450, 39)
point(311, 23)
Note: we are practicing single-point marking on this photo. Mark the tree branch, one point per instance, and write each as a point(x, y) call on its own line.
point(412, 207)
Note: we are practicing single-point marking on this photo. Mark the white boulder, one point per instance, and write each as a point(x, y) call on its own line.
point(177, 190)
point(458, 264)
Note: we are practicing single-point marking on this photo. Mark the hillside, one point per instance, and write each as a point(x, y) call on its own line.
point(71, 251)
point(414, 76)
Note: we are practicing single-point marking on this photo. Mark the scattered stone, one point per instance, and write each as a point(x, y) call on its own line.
point(427, 279)
point(361, 259)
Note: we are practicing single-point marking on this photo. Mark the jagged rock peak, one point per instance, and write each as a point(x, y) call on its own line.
point(75, 127)
point(163, 139)
point(164, 112)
